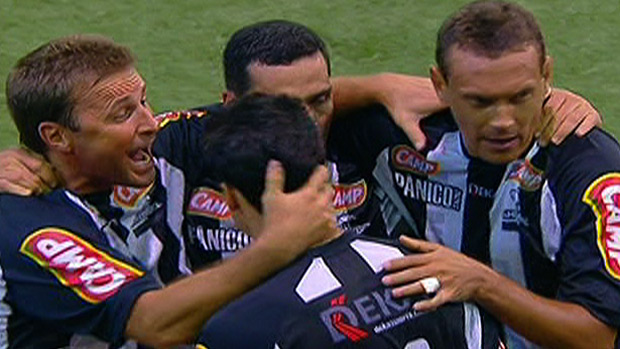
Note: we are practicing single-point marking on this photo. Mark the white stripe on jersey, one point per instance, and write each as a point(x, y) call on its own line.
point(5, 312)
point(174, 181)
point(550, 223)
point(375, 254)
point(444, 225)
point(473, 326)
point(316, 281)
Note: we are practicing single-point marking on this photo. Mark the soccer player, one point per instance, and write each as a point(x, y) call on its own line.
point(543, 217)
point(65, 268)
point(332, 296)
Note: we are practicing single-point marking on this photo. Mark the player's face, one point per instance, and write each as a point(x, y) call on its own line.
point(497, 102)
point(306, 78)
point(116, 132)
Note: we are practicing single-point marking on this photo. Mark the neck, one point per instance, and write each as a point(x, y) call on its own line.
point(70, 176)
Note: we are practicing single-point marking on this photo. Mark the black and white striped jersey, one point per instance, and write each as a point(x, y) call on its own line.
point(332, 297)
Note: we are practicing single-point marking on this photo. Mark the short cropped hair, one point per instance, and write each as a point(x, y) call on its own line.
point(43, 85)
point(490, 29)
point(276, 42)
point(243, 137)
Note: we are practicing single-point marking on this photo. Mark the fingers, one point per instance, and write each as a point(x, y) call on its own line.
point(415, 134)
point(431, 304)
point(9, 187)
point(590, 121)
point(409, 290)
point(320, 179)
point(274, 178)
point(417, 245)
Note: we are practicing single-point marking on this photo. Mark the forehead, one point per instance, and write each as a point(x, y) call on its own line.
point(113, 88)
point(515, 70)
point(302, 78)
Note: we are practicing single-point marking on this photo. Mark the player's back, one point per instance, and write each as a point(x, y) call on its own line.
point(333, 297)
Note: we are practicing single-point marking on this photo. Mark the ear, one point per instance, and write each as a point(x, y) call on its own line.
point(439, 83)
point(55, 136)
point(228, 97)
point(547, 71)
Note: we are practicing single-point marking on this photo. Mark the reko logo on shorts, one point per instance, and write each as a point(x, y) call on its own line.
point(92, 274)
point(349, 196)
point(603, 196)
point(209, 203)
point(405, 158)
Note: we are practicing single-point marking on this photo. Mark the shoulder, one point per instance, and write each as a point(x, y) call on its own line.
point(176, 117)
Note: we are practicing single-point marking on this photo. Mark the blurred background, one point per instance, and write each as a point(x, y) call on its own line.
point(179, 43)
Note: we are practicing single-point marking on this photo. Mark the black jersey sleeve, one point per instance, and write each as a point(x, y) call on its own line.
point(584, 183)
point(61, 273)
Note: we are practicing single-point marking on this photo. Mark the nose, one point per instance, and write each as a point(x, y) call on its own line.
point(504, 116)
point(148, 124)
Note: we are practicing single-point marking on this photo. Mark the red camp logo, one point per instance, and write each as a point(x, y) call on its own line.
point(128, 197)
point(92, 274)
point(349, 196)
point(210, 203)
point(603, 196)
point(407, 159)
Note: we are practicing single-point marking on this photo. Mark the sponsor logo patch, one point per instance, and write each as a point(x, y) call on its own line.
point(128, 197)
point(92, 274)
point(603, 196)
point(349, 196)
point(405, 158)
point(209, 203)
point(523, 172)
point(164, 119)
point(344, 321)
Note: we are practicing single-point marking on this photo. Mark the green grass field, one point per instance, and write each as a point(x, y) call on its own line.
point(179, 43)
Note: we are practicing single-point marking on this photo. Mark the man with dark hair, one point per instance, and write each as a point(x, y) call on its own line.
point(488, 186)
point(333, 295)
point(66, 269)
point(272, 57)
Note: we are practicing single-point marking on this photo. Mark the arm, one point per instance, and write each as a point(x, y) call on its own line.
point(176, 313)
point(407, 98)
point(567, 113)
point(23, 172)
point(550, 323)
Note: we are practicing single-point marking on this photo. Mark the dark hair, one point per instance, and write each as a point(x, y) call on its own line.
point(42, 86)
point(271, 43)
point(243, 137)
point(489, 28)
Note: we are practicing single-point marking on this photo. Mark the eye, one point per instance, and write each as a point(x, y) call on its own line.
point(521, 97)
point(480, 102)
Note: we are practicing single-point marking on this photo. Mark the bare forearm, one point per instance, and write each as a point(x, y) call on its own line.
point(175, 314)
point(547, 322)
point(352, 92)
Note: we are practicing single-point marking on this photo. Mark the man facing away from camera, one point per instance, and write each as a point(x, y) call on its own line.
point(332, 296)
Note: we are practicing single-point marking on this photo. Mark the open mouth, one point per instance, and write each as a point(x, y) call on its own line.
point(141, 157)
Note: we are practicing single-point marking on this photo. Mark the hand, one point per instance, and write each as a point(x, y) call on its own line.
point(300, 219)
point(460, 277)
point(409, 99)
point(570, 113)
point(23, 172)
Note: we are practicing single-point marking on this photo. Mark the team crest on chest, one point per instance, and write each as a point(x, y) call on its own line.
point(128, 197)
point(603, 196)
